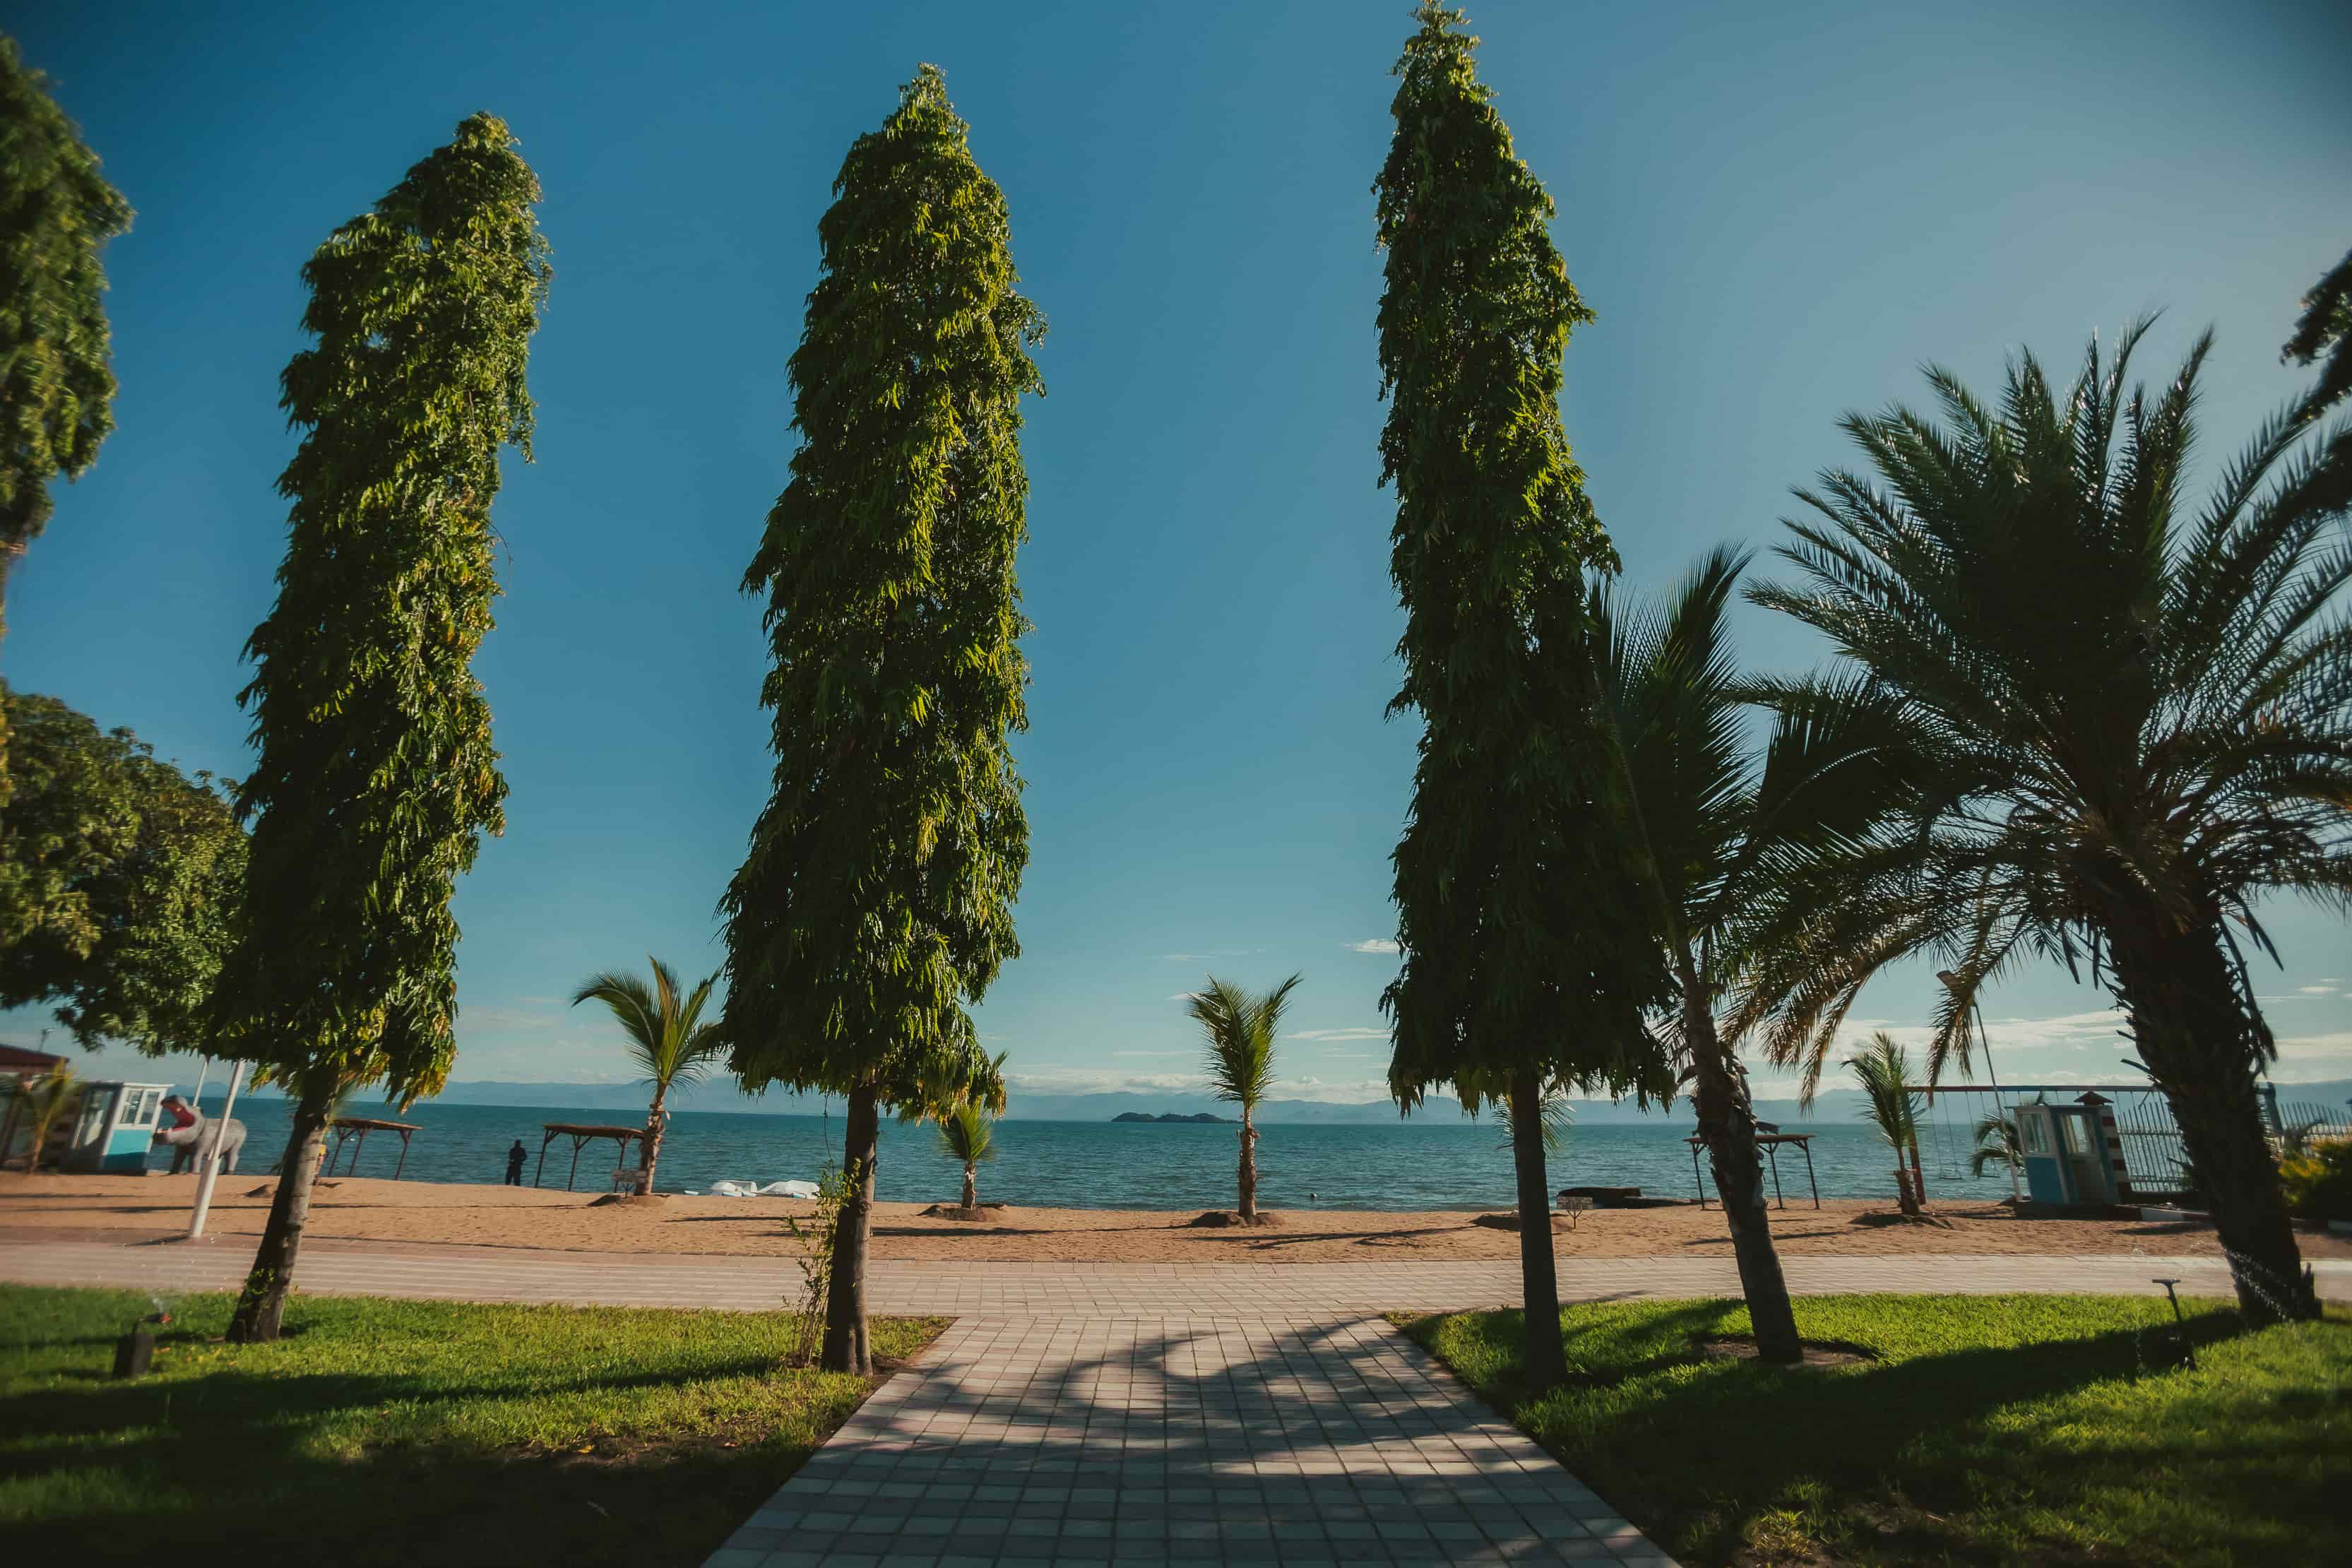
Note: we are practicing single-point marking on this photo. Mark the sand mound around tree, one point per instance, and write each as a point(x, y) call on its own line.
point(1817, 1352)
point(1509, 1220)
point(1219, 1219)
point(980, 1214)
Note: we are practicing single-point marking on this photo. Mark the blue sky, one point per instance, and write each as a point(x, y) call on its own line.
point(1779, 214)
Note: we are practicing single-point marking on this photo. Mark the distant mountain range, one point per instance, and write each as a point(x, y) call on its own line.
point(1832, 1105)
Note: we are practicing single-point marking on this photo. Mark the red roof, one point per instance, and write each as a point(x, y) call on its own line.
point(14, 1058)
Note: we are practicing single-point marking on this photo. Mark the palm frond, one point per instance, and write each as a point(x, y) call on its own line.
point(662, 1028)
point(1239, 1031)
point(1883, 1070)
point(966, 1134)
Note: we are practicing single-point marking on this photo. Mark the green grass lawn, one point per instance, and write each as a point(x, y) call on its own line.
point(1988, 1430)
point(418, 1433)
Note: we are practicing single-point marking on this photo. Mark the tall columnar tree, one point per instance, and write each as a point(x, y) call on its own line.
point(57, 389)
point(1525, 961)
point(376, 777)
point(875, 900)
point(2133, 717)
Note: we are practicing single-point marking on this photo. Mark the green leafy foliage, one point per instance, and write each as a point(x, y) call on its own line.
point(875, 900)
point(2318, 1179)
point(2326, 328)
point(510, 1434)
point(48, 1097)
point(122, 881)
point(1978, 1429)
point(816, 1241)
point(1513, 900)
point(376, 777)
point(57, 387)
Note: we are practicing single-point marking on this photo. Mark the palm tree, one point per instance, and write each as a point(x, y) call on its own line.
point(1556, 1114)
point(1729, 845)
point(1240, 1030)
point(667, 1038)
point(2137, 721)
point(1892, 1105)
point(48, 1097)
point(966, 1134)
point(1996, 1143)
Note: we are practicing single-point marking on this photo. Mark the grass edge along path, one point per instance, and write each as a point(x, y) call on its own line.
point(388, 1432)
point(1983, 1429)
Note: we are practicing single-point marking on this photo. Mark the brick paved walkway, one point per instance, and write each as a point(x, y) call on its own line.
point(1148, 1291)
point(1265, 1439)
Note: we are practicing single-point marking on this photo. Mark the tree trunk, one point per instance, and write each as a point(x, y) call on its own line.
point(2191, 1028)
point(849, 1345)
point(1249, 1166)
point(653, 1141)
point(1727, 1124)
point(1543, 1362)
point(261, 1307)
point(971, 1186)
point(1918, 1177)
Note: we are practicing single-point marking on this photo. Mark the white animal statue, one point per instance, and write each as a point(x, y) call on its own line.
point(188, 1142)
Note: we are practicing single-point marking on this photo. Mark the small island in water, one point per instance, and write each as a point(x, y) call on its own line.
point(1169, 1116)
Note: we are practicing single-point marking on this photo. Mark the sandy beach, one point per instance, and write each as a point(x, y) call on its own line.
point(129, 1208)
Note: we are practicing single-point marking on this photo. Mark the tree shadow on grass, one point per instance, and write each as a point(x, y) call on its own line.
point(1926, 1450)
point(398, 1509)
point(236, 1462)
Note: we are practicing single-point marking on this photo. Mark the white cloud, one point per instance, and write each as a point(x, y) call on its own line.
point(2314, 990)
point(1360, 1032)
point(1097, 1081)
point(2337, 1045)
point(1213, 952)
point(1347, 1090)
point(1182, 996)
point(1373, 944)
point(1151, 1053)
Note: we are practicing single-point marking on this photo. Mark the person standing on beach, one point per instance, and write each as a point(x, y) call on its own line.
point(515, 1157)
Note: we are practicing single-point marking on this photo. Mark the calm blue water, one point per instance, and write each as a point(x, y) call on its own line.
point(1118, 1165)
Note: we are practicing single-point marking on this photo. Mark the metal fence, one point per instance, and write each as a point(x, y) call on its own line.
point(2300, 1122)
point(2155, 1159)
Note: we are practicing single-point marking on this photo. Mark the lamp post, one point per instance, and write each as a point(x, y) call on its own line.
point(1952, 984)
point(208, 1159)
